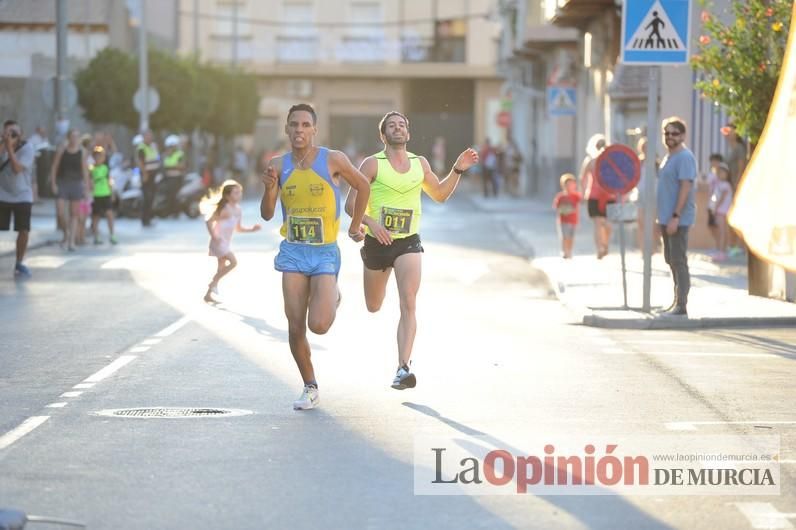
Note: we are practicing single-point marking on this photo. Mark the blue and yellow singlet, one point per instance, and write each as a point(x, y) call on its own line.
point(310, 201)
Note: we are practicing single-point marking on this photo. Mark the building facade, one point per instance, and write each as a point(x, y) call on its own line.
point(355, 60)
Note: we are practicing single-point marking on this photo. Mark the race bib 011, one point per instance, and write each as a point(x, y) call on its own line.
point(396, 220)
point(305, 230)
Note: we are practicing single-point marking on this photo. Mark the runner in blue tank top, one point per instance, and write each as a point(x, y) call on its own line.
point(307, 182)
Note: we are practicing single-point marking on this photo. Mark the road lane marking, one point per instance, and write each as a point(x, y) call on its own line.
point(110, 369)
point(72, 393)
point(764, 515)
point(24, 428)
point(139, 349)
point(169, 330)
point(60, 405)
point(83, 385)
point(150, 342)
point(692, 425)
point(611, 351)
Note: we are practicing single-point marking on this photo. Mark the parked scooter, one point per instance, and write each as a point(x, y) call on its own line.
point(127, 195)
point(188, 197)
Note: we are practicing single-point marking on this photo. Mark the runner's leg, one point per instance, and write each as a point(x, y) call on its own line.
point(375, 287)
point(322, 303)
point(407, 275)
point(296, 293)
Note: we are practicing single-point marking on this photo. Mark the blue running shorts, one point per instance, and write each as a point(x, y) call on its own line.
point(309, 260)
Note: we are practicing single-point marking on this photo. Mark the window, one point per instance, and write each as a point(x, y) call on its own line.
point(297, 49)
point(297, 15)
point(226, 13)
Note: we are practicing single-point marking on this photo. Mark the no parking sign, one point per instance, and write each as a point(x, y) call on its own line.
point(617, 169)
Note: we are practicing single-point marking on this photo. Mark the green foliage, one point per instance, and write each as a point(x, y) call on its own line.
point(234, 108)
point(106, 87)
point(218, 101)
point(741, 61)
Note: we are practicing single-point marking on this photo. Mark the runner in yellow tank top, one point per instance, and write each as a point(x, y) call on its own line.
point(397, 178)
point(307, 182)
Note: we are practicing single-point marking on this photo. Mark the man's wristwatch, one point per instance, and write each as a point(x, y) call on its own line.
point(676, 215)
point(458, 171)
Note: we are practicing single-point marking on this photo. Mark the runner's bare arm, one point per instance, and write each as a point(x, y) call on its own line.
point(270, 178)
point(441, 190)
point(369, 168)
point(339, 164)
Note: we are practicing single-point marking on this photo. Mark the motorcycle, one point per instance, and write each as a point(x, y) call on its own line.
point(189, 196)
point(127, 194)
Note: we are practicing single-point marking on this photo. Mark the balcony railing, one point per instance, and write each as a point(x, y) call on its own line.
point(362, 49)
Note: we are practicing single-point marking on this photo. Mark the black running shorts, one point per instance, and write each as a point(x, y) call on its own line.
point(380, 257)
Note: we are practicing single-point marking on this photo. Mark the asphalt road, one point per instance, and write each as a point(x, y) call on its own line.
point(496, 356)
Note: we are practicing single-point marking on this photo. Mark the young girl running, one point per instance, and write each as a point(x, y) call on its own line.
point(221, 223)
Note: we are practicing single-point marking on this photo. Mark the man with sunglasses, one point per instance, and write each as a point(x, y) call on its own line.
point(677, 209)
point(16, 188)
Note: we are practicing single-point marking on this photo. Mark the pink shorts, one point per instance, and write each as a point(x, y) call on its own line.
point(85, 207)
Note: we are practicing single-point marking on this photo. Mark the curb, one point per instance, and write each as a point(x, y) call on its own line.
point(588, 318)
point(597, 321)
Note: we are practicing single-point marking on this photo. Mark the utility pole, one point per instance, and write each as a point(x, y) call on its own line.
point(234, 33)
point(143, 69)
point(196, 29)
point(60, 74)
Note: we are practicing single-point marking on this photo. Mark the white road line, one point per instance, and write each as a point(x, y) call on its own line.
point(150, 342)
point(610, 351)
point(110, 369)
point(60, 405)
point(73, 393)
point(24, 428)
point(139, 349)
point(169, 330)
point(692, 425)
point(764, 515)
point(788, 461)
point(83, 385)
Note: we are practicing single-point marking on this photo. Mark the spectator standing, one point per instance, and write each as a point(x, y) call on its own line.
point(16, 189)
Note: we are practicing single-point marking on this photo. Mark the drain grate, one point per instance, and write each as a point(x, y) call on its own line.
point(173, 412)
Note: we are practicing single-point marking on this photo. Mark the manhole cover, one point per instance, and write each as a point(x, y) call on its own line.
point(172, 412)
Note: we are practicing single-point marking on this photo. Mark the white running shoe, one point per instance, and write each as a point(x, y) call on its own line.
point(404, 379)
point(309, 399)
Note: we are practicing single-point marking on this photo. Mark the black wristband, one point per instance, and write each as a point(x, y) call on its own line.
point(676, 215)
point(458, 171)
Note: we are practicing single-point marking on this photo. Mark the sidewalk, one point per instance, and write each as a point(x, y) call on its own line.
point(592, 289)
point(42, 229)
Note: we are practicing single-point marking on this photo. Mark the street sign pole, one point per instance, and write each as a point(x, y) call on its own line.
point(622, 246)
point(143, 70)
point(649, 177)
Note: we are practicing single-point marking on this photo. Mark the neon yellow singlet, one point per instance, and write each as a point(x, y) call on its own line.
point(310, 202)
point(395, 197)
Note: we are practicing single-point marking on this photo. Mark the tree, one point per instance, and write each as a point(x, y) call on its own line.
point(234, 109)
point(218, 101)
point(106, 87)
point(741, 61)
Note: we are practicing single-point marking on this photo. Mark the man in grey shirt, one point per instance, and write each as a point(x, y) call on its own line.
point(16, 188)
point(677, 209)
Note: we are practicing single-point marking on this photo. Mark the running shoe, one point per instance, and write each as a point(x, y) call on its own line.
point(734, 252)
point(404, 379)
point(21, 270)
point(720, 257)
point(114, 240)
point(97, 241)
point(309, 399)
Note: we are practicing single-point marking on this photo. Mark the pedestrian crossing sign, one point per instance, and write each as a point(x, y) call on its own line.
point(656, 32)
point(561, 101)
